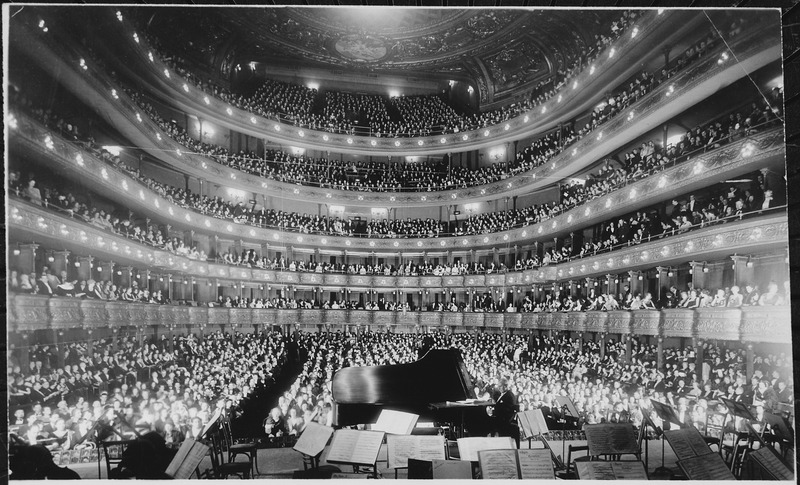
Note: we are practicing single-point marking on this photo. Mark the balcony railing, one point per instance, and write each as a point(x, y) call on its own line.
point(749, 324)
point(745, 155)
point(767, 232)
point(752, 52)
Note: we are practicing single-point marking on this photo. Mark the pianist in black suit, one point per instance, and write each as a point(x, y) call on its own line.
point(503, 412)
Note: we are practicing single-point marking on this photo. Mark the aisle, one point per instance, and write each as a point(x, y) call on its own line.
point(256, 408)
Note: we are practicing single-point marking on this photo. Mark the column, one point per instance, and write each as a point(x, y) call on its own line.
point(611, 285)
point(602, 345)
point(660, 354)
point(699, 356)
point(664, 282)
point(749, 361)
point(59, 349)
point(628, 347)
point(495, 257)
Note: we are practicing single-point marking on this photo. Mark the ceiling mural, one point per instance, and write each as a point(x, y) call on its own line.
point(516, 64)
point(517, 47)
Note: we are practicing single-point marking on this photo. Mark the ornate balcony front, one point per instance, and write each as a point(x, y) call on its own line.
point(97, 90)
point(749, 324)
point(749, 154)
point(764, 233)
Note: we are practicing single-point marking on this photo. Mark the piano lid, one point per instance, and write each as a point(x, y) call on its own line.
point(440, 375)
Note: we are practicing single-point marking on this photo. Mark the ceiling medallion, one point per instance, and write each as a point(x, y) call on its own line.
point(361, 48)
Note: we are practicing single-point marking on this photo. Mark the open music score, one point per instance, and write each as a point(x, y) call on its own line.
point(355, 447)
point(611, 470)
point(532, 423)
point(468, 448)
point(186, 461)
point(313, 439)
point(439, 469)
point(611, 439)
point(769, 461)
point(211, 422)
point(422, 447)
point(687, 443)
point(516, 464)
point(395, 422)
point(706, 467)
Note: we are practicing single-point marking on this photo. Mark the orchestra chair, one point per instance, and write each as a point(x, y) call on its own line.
point(219, 468)
point(714, 439)
point(113, 459)
point(250, 450)
point(735, 450)
point(574, 448)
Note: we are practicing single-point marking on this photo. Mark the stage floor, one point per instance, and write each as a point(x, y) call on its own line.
point(281, 463)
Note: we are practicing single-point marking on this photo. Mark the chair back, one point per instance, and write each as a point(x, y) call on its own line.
point(215, 451)
point(112, 451)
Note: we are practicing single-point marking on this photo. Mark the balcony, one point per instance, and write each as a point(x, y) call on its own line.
point(764, 233)
point(731, 160)
point(748, 324)
point(696, 82)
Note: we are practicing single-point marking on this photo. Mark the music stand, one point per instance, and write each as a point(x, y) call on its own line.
point(738, 409)
point(665, 413)
point(567, 407)
point(648, 423)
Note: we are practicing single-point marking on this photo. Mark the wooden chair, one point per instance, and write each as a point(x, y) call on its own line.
point(570, 449)
point(112, 451)
point(219, 468)
point(234, 449)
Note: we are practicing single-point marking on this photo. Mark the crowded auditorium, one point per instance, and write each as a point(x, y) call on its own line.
point(397, 243)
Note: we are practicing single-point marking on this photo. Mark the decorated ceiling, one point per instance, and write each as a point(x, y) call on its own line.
point(502, 50)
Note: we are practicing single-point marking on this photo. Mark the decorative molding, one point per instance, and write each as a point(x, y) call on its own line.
point(769, 231)
point(747, 154)
point(749, 47)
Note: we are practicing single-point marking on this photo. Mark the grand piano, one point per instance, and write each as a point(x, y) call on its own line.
point(360, 393)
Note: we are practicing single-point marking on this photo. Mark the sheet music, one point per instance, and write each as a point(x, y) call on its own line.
point(611, 439)
point(499, 464)
point(355, 446)
point(629, 470)
point(179, 457)
point(772, 464)
point(706, 467)
point(535, 465)
point(349, 476)
point(210, 423)
point(594, 470)
point(451, 469)
point(468, 448)
point(687, 443)
point(313, 439)
point(395, 422)
point(185, 463)
point(402, 447)
point(532, 423)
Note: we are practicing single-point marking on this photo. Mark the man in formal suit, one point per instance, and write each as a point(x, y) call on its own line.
point(504, 411)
